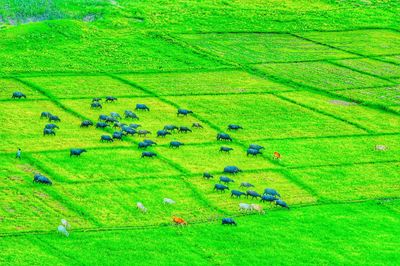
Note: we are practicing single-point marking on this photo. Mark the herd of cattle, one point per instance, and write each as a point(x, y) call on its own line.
point(112, 120)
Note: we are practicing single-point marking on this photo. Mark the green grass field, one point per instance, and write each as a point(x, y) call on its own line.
point(317, 82)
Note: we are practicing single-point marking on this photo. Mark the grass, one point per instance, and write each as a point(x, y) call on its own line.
point(272, 67)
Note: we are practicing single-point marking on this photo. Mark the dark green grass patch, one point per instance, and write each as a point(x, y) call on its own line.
point(322, 75)
point(365, 42)
point(84, 86)
point(358, 114)
point(386, 96)
point(232, 81)
point(262, 48)
point(353, 182)
point(264, 116)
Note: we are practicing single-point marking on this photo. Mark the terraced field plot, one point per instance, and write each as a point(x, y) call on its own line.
point(8, 86)
point(262, 47)
point(232, 81)
point(385, 96)
point(371, 66)
point(322, 75)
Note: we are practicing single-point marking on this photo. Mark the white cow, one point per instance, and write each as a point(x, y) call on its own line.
point(245, 207)
point(168, 201)
point(62, 230)
point(257, 208)
point(65, 223)
point(141, 207)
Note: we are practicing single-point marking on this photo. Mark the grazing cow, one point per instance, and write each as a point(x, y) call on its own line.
point(223, 136)
point(175, 144)
point(184, 130)
point(232, 170)
point(179, 221)
point(246, 184)
point(51, 126)
point(96, 105)
point(130, 114)
point(65, 223)
point(76, 152)
point(244, 207)
point(106, 138)
point(228, 221)
point(237, 193)
point(143, 145)
point(143, 132)
point(135, 126)
point(54, 118)
point(197, 125)
point(281, 203)
point(226, 180)
point(110, 99)
point(219, 187)
point(168, 201)
point(225, 149)
point(129, 131)
point(150, 142)
point(148, 154)
point(277, 155)
point(257, 208)
point(103, 117)
point(117, 135)
point(45, 115)
point(110, 119)
point(102, 125)
point(207, 175)
point(253, 152)
point(170, 127)
point(62, 230)
point(268, 198)
point(184, 112)
point(18, 95)
point(234, 127)
point(38, 178)
point(97, 99)
point(115, 115)
point(255, 147)
point(141, 207)
point(86, 123)
point(141, 106)
point(48, 131)
point(118, 125)
point(272, 192)
point(252, 194)
point(163, 133)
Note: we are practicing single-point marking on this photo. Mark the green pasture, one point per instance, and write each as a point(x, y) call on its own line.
point(386, 96)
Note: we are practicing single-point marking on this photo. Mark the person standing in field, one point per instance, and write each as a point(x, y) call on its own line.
point(18, 155)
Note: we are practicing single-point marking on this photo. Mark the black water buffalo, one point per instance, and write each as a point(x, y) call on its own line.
point(252, 194)
point(184, 112)
point(117, 135)
point(225, 149)
point(143, 132)
point(48, 131)
point(253, 152)
point(246, 184)
point(148, 154)
point(150, 142)
point(130, 114)
point(268, 198)
point(232, 170)
point(135, 126)
point(170, 127)
point(18, 95)
point(237, 193)
point(281, 203)
point(110, 119)
point(51, 126)
point(102, 125)
point(219, 187)
point(175, 144)
point(115, 115)
point(207, 175)
point(45, 115)
point(197, 125)
point(103, 117)
point(38, 178)
point(255, 147)
point(234, 127)
point(223, 136)
point(163, 133)
point(184, 130)
point(54, 118)
point(118, 125)
point(76, 152)
point(228, 221)
point(97, 99)
point(96, 105)
point(129, 131)
point(86, 123)
point(141, 106)
point(271, 191)
point(226, 180)
point(143, 145)
point(110, 99)
point(106, 138)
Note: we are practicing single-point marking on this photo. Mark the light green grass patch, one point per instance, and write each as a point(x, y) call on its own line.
point(264, 116)
point(354, 182)
point(108, 164)
point(322, 75)
point(358, 114)
point(208, 158)
point(394, 59)
point(84, 86)
point(290, 192)
point(160, 114)
point(372, 66)
point(387, 96)
point(23, 128)
point(366, 42)
point(343, 150)
point(262, 47)
point(232, 81)
point(9, 86)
